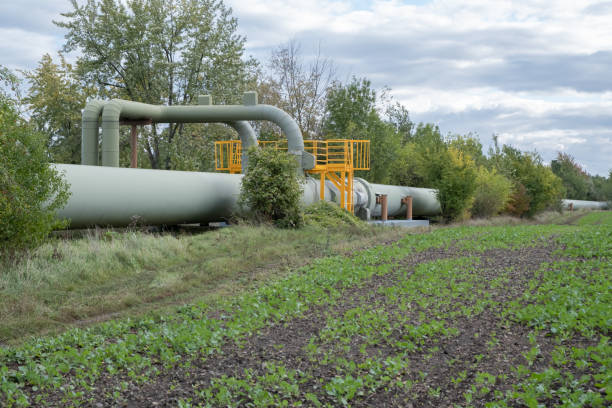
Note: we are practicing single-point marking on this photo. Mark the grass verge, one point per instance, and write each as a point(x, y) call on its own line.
point(108, 274)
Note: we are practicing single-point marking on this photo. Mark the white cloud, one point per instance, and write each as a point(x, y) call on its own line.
point(535, 71)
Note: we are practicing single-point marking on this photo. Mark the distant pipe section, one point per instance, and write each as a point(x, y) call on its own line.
point(573, 205)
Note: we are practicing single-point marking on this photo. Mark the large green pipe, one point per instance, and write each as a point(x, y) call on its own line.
point(91, 124)
point(117, 109)
point(115, 196)
point(424, 200)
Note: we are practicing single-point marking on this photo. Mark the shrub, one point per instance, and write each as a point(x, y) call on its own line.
point(271, 189)
point(456, 185)
point(543, 189)
point(30, 190)
point(493, 192)
point(429, 161)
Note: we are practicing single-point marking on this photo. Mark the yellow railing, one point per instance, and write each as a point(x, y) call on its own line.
point(335, 160)
point(228, 156)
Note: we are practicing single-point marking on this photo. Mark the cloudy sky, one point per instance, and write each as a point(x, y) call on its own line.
point(537, 73)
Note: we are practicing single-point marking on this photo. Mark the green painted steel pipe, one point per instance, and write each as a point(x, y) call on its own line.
point(90, 124)
point(115, 196)
point(117, 109)
point(585, 205)
point(424, 200)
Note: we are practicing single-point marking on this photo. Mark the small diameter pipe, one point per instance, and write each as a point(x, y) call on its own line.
point(408, 202)
point(91, 124)
point(382, 200)
point(134, 147)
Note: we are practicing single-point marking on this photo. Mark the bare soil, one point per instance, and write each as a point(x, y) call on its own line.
point(434, 367)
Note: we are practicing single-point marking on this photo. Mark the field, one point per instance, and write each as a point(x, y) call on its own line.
point(489, 316)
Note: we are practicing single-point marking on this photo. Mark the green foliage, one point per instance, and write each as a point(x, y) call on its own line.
point(329, 215)
point(456, 185)
point(351, 114)
point(492, 193)
point(369, 319)
point(575, 180)
point(602, 188)
point(430, 161)
point(30, 190)
point(55, 99)
point(542, 188)
point(159, 52)
point(271, 189)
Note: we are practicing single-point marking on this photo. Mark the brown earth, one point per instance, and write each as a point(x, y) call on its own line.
point(434, 368)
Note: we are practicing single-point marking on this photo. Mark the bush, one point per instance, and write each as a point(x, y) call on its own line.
point(543, 189)
point(271, 189)
point(328, 215)
point(30, 190)
point(493, 192)
point(456, 185)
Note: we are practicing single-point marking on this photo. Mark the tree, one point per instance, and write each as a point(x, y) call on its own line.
point(349, 107)
point(351, 114)
point(577, 183)
point(428, 160)
point(159, 52)
point(297, 87)
point(55, 100)
point(271, 190)
point(30, 190)
point(533, 181)
point(493, 192)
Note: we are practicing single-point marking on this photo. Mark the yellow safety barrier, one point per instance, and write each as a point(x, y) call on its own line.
point(335, 160)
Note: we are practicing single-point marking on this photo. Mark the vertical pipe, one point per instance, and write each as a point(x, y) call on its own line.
point(382, 200)
point(384, 207)
point(408, 201)
point(134, 146)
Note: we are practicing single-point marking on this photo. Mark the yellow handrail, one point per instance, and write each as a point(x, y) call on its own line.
point(335, 160)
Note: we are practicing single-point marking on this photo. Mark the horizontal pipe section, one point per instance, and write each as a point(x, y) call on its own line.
point(424, 200)
point(114, 196)
point(118, 109)
point(585, 205)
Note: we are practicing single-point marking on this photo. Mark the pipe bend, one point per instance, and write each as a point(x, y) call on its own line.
point(110, 131)
point(90, 121)
point(247, 139)
point(245, 133)
point(295, 140)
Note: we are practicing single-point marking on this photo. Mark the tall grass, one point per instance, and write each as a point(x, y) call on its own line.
point(68, 281)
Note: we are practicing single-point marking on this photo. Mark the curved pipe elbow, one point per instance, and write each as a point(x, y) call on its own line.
point(90, 122)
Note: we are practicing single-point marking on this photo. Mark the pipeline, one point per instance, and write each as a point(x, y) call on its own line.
point(114, 196)
point(111, 196)
point(584, 205)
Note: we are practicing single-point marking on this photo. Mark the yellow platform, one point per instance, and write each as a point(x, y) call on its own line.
point(336, 160)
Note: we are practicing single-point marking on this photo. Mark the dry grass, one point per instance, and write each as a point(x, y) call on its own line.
point(108, 274)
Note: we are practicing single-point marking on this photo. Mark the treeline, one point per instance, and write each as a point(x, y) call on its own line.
point(170, 52)
point(471, 183)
